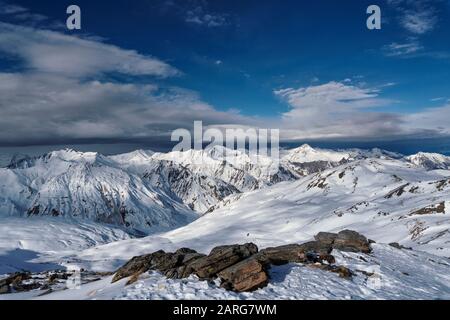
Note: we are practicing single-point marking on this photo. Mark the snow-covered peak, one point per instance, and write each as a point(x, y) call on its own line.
point(306, 153)
point(135, 157)
point(430, 161)
point(73, 156)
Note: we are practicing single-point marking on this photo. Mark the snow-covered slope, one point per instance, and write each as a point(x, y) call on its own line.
point(87, 186)
point(397, 274)
point(430, 161)
point(25, 243)
point(380, 195)
point(386, 200)
point(307, 154)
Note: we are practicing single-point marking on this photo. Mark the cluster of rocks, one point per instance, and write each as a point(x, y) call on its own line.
point(45, 281)
point(243, 268)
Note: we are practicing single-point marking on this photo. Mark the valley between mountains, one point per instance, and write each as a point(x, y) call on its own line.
point(93, 212)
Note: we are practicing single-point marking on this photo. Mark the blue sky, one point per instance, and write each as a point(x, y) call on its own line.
point(310, 67)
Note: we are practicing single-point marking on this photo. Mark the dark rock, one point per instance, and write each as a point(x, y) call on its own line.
point(311, 252)
point(185, 269)
point(221, 258)
point(4, 287)
point(346, 240)
point(317, 247)
point(137, 265)
point(326, 237)
point(174, 265)
point(185, 251)
point(351, 241)
point(342, 271)
point(399, 246)
point(13, 282)
point(245, 276)
point(395, 245)
point(283, 254)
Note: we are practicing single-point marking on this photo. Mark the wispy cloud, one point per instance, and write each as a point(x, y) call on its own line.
point(195, 12)
point(11, 9)
point(419, 22)
point(417, 16)
point(20, 13)
point(200, 16)
point(402, 49)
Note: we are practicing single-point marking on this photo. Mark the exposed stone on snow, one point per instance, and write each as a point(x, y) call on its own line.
point(221, 258)
point(243, 268)
point(248, 275)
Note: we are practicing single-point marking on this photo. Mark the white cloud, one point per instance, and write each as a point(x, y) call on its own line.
point(53, 52)
point(11, 9)
point(341, 110)
point(54, 97)
point(21, 14)
point(417, 16)
point(335, 110)
point(419, 22)
point(402, 49)
point(200, 16)
point(39, 108)
point(432, 120)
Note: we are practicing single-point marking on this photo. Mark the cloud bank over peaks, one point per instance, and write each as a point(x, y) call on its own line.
point(56, 53)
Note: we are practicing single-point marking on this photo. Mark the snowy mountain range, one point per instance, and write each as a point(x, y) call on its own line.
point(152, 192)
point(68, 207)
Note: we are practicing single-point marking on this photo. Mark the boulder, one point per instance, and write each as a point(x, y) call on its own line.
point(137, 265)
point(4, 286)
point(173, 265)
point(399, 246)
point(351, 241)
point(342, 271)
point(13, 282)
point(245, 276)
point(309, 252)
point(184, 268)
point(347, 240)
point(221, 258)
point(326, 237)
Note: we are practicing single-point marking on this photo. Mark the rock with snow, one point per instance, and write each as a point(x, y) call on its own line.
point(245, 276)
point(351, 241)
point(221, 258)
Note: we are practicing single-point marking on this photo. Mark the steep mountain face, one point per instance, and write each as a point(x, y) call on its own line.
point(87, 186)
point(203, 178)
point(430, 161)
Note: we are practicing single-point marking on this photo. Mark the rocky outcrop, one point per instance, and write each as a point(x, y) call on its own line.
point(245, 276)
point(221, 258)
point(310, 252)
point(242, 268)
point(351, 241)
point(173, 265)
point(347, 240)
